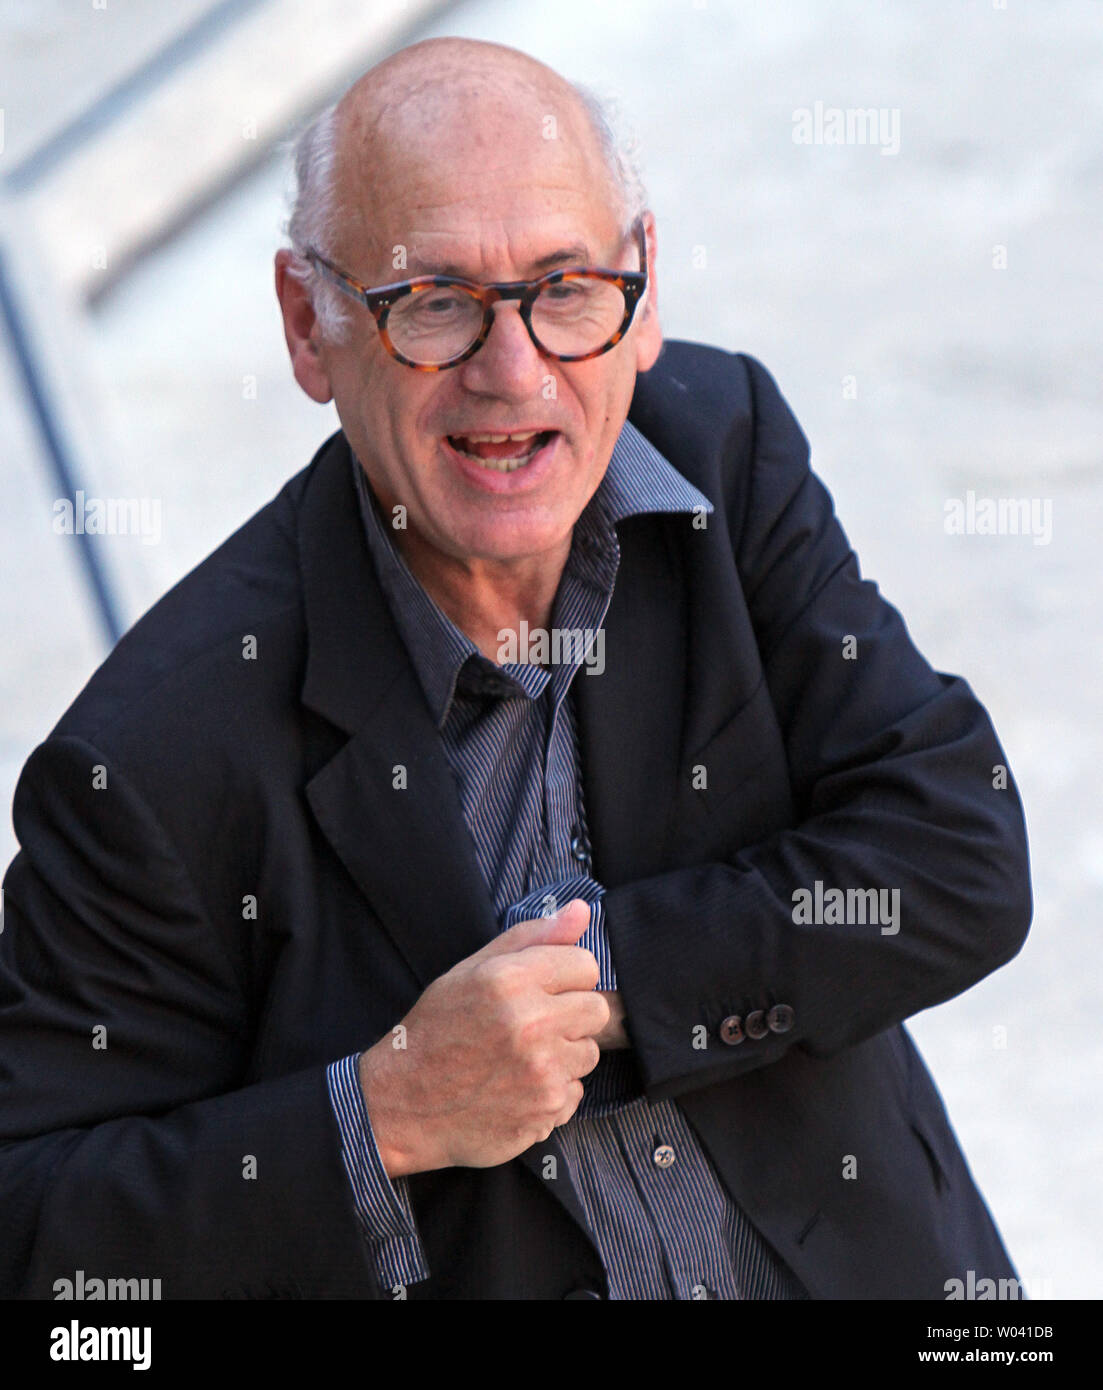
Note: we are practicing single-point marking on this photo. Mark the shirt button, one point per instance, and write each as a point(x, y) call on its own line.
point(663, 1156)
point(579, 850)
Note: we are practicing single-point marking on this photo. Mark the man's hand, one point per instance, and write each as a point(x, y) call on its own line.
point(494, 1051)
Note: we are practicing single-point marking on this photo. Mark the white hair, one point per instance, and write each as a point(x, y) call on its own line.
point(314, 218)
point(620, 151)
point(315, 213)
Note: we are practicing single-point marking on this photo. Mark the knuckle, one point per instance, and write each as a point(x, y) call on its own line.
point(503, 977)
point(574, 1093)
point(551, 1098)
point(535, 1071)
point(527, 1038)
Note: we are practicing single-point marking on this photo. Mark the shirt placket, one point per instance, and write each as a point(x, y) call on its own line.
point(685, 1207)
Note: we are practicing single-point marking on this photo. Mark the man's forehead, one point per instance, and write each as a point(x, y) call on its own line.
point(533, 217)
point(490, 159)
point(464, 256)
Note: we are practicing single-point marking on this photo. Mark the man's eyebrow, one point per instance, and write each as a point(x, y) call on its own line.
point(576, 254)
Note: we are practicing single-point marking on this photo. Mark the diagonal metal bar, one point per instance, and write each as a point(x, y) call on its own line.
point(54, 443)
point(99, 114)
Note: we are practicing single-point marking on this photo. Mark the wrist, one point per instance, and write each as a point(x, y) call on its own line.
point(395, 1153)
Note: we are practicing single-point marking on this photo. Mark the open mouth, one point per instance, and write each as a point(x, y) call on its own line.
point(503, 453)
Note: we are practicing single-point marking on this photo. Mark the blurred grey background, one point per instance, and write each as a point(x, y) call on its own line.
point(929, 304)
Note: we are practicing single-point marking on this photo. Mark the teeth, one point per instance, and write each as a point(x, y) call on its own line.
point(499, 465)
point(497, 438)
point(508, 465)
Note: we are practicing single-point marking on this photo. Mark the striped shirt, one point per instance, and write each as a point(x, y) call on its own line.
point(658, 1214)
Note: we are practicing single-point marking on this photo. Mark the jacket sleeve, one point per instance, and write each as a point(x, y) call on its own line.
point(129, 1146)
point(900, 786)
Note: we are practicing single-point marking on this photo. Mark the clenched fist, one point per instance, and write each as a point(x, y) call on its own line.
point(494, 1051)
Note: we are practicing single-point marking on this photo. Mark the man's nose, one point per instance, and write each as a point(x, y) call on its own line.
point(509, 362)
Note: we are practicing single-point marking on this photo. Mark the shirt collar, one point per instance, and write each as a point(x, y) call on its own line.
point(639, 480)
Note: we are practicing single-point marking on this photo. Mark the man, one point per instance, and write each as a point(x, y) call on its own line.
point(351, 953)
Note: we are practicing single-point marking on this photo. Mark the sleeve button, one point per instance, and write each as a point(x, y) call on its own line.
point(755, 1024)
point(731, 1030)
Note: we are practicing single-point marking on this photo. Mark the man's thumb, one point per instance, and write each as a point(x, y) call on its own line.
point(561, 928)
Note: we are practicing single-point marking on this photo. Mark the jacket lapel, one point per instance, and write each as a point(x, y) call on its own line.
point(387, 801)
point(630, 717)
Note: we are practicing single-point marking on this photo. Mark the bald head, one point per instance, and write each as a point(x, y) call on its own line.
point(429, 76)
point(452, 116)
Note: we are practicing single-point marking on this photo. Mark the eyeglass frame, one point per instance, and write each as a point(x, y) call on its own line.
point(380, 300)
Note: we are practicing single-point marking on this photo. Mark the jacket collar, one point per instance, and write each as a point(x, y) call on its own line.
point(638, 480)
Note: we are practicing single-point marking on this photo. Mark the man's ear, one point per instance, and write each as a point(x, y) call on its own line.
point(300, 329)
point(649, 333)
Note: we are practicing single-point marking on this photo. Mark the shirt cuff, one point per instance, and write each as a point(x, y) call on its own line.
point(382, 1206)
point(542, 902)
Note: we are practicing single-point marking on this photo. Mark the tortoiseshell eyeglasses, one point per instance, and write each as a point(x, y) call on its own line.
point(438, 321)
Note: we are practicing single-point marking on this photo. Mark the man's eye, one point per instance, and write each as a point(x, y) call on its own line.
point(438, 306)
point(565, 300)
point(564, 292)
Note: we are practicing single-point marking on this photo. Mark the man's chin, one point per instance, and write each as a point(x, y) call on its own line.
point(513, 545)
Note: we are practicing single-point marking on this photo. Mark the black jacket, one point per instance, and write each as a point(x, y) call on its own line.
point(155, 1033)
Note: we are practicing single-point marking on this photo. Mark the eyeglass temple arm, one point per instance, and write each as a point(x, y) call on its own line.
point(352, 288)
